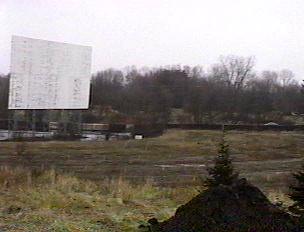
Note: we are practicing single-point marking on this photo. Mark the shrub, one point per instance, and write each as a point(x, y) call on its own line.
point(222, 172)
point(297, 193)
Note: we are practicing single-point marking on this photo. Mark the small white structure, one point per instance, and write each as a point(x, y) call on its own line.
point(271, 124)
point(138, 137)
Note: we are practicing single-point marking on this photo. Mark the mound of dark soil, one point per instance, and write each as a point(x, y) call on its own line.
point(241, 207)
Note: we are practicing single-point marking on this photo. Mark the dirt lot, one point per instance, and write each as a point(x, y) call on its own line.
point(178, 157)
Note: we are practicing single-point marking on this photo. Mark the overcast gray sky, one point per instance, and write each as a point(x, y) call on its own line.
point(162, 32)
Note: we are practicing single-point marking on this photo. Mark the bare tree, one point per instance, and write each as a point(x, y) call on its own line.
point(234, 70)
point(286, 77)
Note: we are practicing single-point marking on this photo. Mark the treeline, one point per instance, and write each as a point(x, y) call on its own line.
point(230, 91)
point(4, 87)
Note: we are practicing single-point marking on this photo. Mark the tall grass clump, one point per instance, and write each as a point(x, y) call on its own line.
point(61, 202)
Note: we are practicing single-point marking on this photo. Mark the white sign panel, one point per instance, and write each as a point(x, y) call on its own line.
point(49, 75)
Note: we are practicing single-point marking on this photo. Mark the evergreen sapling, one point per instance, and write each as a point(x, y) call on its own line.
point(222, 173)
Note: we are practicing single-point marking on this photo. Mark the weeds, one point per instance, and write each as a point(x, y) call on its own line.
point(67, 203)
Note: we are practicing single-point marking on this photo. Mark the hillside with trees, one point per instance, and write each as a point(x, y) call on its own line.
point(229, 91)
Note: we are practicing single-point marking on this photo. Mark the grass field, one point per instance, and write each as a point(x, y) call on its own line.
point(174, 159)
point(124, 183)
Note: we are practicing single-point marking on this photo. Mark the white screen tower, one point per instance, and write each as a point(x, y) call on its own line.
point(49, 75)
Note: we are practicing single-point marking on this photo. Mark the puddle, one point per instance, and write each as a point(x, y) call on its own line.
point(180, 165)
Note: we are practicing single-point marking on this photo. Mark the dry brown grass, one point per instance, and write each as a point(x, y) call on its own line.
point(69, 204)
point(63, 203)
point(266, 157)
point(59, 202)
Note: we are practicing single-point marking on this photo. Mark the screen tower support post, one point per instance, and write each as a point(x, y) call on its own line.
point(33, 124)
point(79, 122)
point(15, 121)
point(12, 126)
point(64, 121)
